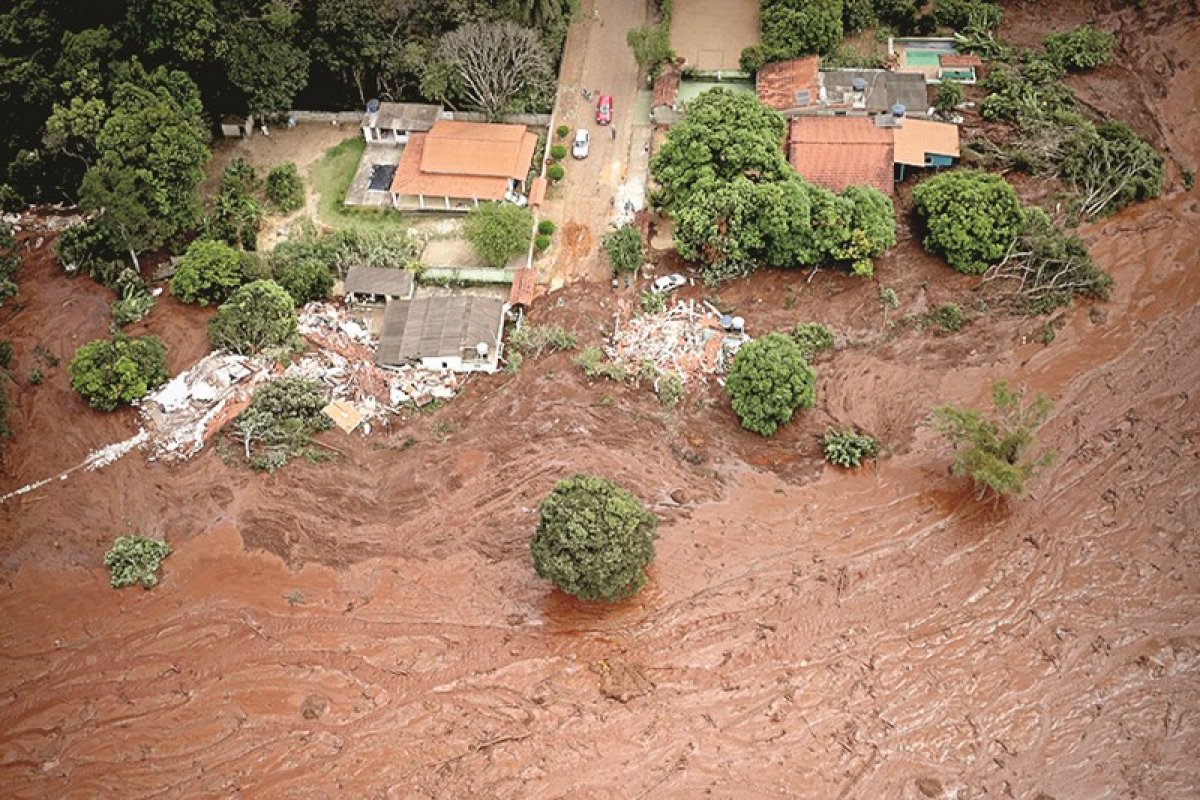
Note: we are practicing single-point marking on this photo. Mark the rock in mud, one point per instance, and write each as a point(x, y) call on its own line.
point(622, 681)
point(314, 706)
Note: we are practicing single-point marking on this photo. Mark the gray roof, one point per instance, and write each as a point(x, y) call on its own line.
point(387, 281)
point(405, 116)
point(884, 88)
point(438, 327)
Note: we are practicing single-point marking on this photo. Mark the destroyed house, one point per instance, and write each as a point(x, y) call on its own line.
point(789, 86)
point(460, 333)
point(378, 284)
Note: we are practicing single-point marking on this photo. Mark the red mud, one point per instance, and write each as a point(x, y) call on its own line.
point(371, 627)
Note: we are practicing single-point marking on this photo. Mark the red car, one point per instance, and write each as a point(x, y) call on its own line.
point(604, 109)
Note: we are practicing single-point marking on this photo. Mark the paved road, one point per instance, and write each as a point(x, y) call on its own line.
point(583, 205)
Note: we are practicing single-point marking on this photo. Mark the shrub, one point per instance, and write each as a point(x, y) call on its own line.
point(848, 448)
point(753, 58)
point(9, 262)
point(769, 380)
point(963, 15)
point(595, 365)
point(594, 539)
point(6, 355)
point(562, 131)
point(949, 317)
point(285, 189)
point(207, 273)
point(948, 97)
point(971, 217)
point(237, 214)
point(135, 560)
point(107, 373)
point(541, 242)
point(280, 422)
point(624, 248)
point(652, 302)
point(546, 228)
point(555, 173)
point(305, 279)
point(258, 315)
point(813, 339)
point(1083, 48)
point(533, 340)
point(994, 451)
point(498, 231)
point(558, 152)
point(133, 304)
point(670, 389)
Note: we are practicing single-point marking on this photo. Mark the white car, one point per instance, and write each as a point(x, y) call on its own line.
point(519, 200)
point(667, 283)
point(579, 149)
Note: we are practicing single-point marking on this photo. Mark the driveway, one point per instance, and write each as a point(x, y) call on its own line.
point(584, 203)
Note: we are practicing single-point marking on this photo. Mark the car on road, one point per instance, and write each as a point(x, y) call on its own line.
point(668, 283)
point(579, 149)
point(604, 109)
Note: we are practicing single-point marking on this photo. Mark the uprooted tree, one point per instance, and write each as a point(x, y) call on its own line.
point(994, 450)
point(769, 380)
point(594, 539)
point(280, 422)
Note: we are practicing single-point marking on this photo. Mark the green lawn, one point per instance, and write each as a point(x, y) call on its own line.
point(331, 175)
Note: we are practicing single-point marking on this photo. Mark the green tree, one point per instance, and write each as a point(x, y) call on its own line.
point(305, 279)
point(237, 214)
point(357, 37)
point(135, 560)
point(122, 203)
point(258, 315)
point(792, 28)
point(994, 450)
point(870, 228)
point(498, 231)
point(10, 262)
point(280, 422)
point(594, 539)
point(968, 15)
point(263, 60)
point(107, 373)
point(769, 380)
point(1081, 49)
point(181, 31)
point(971, 217)
point(207, 273)
point(651, 45)
point(624, 248)
point(285, 190)
point(948, 97)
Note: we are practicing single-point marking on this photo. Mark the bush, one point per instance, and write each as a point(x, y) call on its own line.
point(533, 340)
point(107, 373)
point(1081, 49)
point(285, 189)
point(594, 539)
point(847, 448)
point(625, 248)
point(948, 97)
point(558, 152)
point(135, 560)
point(555, 173)
point(237, 214)
point(769, 380)
point(562, 131)
point(949, 317)
point(10, 262)
point(133, 304)
point(546, 228)
point(670, 389)
point(994, 451)
point(498, 231)
point(207, 273)
point(753, 58)
point(595, 365)
point(305, 279)
point(813, 339)
point(971, 217)
point(652, 302)
point(280, 422)
point(964, 15)
point(258, 315)
point(541, 242)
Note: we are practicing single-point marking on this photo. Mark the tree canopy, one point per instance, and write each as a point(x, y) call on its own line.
point(207, 273)
point(111, 372)
point(594, 539)
point(498, 231)
point(257, 316)
point(625, 248)
point(769, 380)
point(971, 217)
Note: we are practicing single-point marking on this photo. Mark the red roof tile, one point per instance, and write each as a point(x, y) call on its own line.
point(666, 86)
point(523, 285)
point(780, 85)
point(959, 60)
point(411, 180)
point(836, 152)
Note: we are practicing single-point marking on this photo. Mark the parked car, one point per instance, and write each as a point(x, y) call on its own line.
point(667, 283)
point(604, 109)
point(580, 147)
point(516, 199)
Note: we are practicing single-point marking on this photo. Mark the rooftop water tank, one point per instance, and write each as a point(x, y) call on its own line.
point(372, 106)
point(481, 350)
point(738, 324)
point(726, 322)
point(859, 84)
point(898, 110)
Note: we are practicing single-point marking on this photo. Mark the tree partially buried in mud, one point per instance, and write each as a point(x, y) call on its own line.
point(994, 450)
point(257, 316)
point(971, 217)
point(769, 380)
point(594, 539)
point(109, 372)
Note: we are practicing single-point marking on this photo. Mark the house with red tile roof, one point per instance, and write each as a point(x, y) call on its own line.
point(788, 86)
point(458, 164)
point(836, 152)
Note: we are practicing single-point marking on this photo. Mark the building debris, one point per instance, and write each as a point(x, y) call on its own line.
point(692, 340)
point(344, 415)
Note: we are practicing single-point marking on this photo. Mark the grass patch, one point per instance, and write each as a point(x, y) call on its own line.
point(331, 176)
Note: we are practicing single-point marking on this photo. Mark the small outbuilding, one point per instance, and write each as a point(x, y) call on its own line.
point(378, 284)
point(393, 123)
point(460, 333)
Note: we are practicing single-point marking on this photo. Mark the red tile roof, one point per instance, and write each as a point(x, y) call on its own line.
point(464, 159)
point(836, 152)
point(779, 84)
point(959, 60)
point(666, 86)
point(411, 180)
point(523, 285)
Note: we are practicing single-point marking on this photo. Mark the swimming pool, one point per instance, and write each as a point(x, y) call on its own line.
point(922, 58)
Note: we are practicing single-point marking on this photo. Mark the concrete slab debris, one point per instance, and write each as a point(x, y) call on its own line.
point(686, 339)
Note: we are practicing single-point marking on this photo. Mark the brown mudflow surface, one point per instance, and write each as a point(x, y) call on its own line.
point(371, 627)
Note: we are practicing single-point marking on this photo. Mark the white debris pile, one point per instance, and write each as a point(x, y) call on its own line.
point(185, 412)
point(331, 327)
point(692, 340)
point(421, 386)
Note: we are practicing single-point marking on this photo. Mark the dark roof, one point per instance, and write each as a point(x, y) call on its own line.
point(791, 84)
point(405, 116)
point(666, 86)
point(390, 282)
point(884, 89)
point(438, 327)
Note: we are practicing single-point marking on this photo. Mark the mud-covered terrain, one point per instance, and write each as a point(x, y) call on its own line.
point(372, 627)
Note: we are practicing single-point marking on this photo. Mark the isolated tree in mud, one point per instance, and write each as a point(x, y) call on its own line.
point(108, 373)
point(769, 380)
point(257, 316)
point(1081, 49)
point(594, 539)
point(498, 231)
point(971, 217)
point(207, 273)
point(994, 451)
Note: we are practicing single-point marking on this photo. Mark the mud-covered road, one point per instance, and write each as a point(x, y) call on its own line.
point(372, 627)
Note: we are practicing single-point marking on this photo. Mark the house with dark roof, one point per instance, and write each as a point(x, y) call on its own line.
point(377, 284)
point(393, 123)
point(460, 333)
point(799, 87)
point(458, 164)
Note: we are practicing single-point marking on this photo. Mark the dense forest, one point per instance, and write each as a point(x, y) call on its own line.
point(116, 100)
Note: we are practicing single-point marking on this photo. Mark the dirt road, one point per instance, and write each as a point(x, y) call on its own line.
point(596, 58)
point(372, 627)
